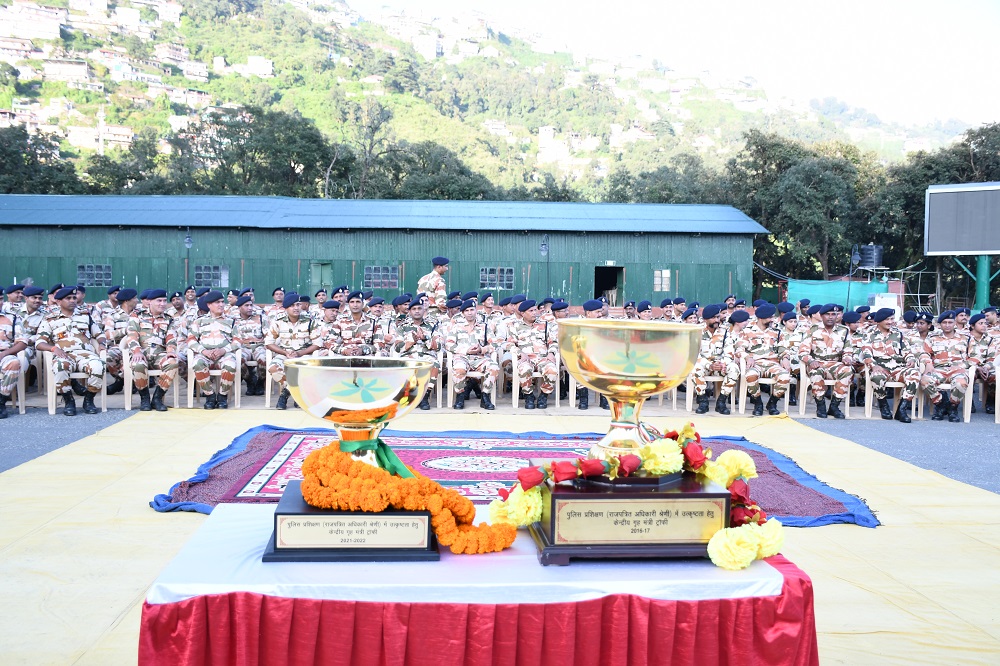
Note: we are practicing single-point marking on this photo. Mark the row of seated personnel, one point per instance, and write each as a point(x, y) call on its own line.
point(153, 334)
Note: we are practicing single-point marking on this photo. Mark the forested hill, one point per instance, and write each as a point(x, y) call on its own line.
point(307, 99)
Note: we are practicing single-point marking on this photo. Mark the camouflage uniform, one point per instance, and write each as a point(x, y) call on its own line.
point(207, 333)
point(116, 322)
point(948, 356)
point(829, 349)
point(11, 366)
point(890, 359)
point(155, 339)
point(436, 289)
point(249, 333)
point(713, 346)
point(355, 338)
point(385, 326)
point(461, 337)
point(537, 352)
point(74, 335)
point(421, 338)
point(290, 337)
point(766, 347)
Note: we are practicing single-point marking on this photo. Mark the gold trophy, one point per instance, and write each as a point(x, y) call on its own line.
point(628, 361)
point(359, 396)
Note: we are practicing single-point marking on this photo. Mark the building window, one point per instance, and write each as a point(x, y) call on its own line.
point(496, 278)
point(93, 275)
point(661, 280)
point(215, 276)
point(381, 277)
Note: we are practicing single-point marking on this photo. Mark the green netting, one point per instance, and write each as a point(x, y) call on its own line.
point(822, 291)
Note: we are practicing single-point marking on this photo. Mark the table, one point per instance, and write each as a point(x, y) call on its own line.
point(217, 603)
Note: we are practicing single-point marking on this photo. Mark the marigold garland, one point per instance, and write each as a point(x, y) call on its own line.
point(363, 415)
point(333, 479)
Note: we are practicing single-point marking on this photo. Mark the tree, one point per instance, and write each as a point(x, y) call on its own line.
point(371, 139)
point(30, 164)
point(135, 171)
point(427, 170)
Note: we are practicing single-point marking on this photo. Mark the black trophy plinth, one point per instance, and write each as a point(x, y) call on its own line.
point(304, 533)
point(636, 517)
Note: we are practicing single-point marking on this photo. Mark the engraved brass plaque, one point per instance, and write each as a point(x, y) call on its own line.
point(638, 521)
point(351, 531)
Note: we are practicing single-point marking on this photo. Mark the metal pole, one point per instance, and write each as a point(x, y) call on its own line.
point(982, 281)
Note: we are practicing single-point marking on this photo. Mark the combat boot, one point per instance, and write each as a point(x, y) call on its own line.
point(425, 403)
point(529, 401)
point(772, 406)
point(953, 416)
point(722, 404)
point(282, 399)
point(69, 404)
point(702, 404)
point(116, 386)
point(144, 405)
point(222, 401)
point(940, 409)
point(834, 410)
point(3, 405)
point(582, 398)
point(486, 402)
point(793, 399)
point(78, 387)
point(903, 413)
point(460, 400)
point(158, 394)
point(210, 401)
point(543, 401)
point(604, 402)
point(252, 381)
point(758, 406)
point(88, 404)
point(989, 400)
point(884, 409)
point(821, 408)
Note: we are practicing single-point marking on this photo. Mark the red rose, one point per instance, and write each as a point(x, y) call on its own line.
point(739, 490)
point(590, 467)
point(671, 435)
point(564, 470)
point(503, 493)
point(628, 463)
point(693, 455)
point(740, 515)
point(529, 477)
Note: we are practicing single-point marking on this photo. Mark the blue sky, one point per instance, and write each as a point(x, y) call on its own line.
point(912, 61)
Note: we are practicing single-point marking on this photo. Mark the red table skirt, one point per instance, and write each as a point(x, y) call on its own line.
point(243, 629)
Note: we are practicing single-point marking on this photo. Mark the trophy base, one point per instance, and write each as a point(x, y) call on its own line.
point(622, 439)
point(304, 533)
point(552, 554)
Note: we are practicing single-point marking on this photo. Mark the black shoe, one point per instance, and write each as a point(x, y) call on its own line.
point(702, 404)
point(854, 398)
point(758, 406)
point(3, 405)
point(988, 406)
point(144, 405)
point(473, 389)
point(69, 404)
point(722, 404)
point(953, 416)
point(604, 402)
point(903, 413)
point(116, 386)
point(282, 399)
point(582, 398)
point(793, 400)
point(486, 402)
point(829, 393)
point(543, 401)
point(834, 410)
point(222, 402)
point(529, 401)
point(78, 387)
point(210, 401)
point(821, 408)
point(884, 409)
point(772, 406)
point(88, 404)
point(460, 400)
point(252, 382)
point(158, 394)
point(940, 410)
point(426, 402)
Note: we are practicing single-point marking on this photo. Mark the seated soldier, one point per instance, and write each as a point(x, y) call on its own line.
point(291, 336)
point(214, 347)
point(151, 342)
point(471, 352)
point(249, 334)
point(419, 339)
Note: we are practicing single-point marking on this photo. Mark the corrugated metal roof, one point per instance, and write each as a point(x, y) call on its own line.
point(283, 212)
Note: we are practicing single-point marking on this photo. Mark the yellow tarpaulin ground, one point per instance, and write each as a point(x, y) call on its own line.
point(80, 546)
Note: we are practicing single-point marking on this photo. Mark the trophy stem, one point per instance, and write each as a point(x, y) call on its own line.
point(359, 432)
point(626, 435)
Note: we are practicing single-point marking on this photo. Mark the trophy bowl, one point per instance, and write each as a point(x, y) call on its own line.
point(628, 361)
point(358, 395)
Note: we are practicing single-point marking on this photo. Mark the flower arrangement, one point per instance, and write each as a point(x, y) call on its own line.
point(371, 416)
point(333, 479)
point(750, 536)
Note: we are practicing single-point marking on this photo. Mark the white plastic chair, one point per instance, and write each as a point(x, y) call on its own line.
point(50, 382)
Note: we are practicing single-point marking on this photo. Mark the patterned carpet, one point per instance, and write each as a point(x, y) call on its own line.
point(257, 466)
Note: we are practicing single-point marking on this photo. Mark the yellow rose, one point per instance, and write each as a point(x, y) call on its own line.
point(716, 473)
point(733, 548)
point(524, 507)
point(663, 456)
point(737, 463)
point(687, 432)
point(771, 536)
point(498, 512)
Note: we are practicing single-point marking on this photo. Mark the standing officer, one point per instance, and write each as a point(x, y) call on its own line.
point(212, 341)
point(471, 352)
point(151, 341)
point(70, 335)
point(292, 336)
point(827, 354)
point(434, 286)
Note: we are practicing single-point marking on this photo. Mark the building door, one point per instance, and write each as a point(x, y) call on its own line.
point(608, 282)
point(320, 276)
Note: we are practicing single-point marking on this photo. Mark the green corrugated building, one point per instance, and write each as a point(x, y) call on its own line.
point(572, 250)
